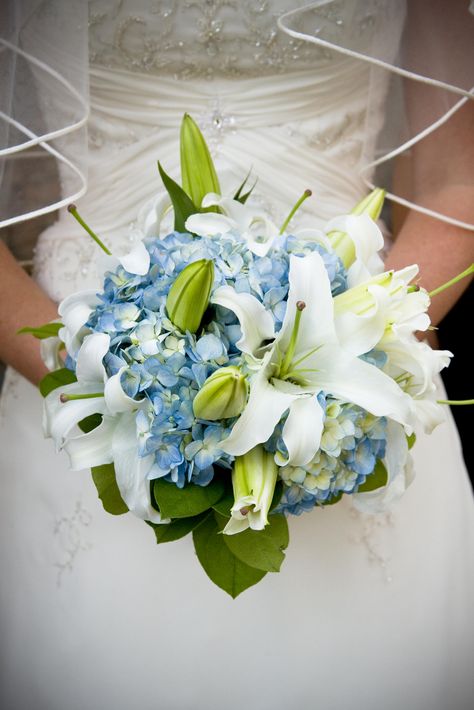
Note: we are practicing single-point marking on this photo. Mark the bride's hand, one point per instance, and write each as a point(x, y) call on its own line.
point(22, 303)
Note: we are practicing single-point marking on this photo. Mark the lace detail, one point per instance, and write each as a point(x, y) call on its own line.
point(375, 534)
point(208, 38)
point(68, 532)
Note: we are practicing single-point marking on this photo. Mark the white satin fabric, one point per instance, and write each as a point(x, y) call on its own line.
point(367, 612)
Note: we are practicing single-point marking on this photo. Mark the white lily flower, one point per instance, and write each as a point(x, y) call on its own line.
point(305, 359)
point(136, 261)
point(363, 313)
point(251, 222)
point(400, 472)
point(253, 480)
point(153, 213)
point(367, 240)
point(74, 312)
point(115, 439)
point(93, 393)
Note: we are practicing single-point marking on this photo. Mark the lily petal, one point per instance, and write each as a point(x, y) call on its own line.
point(353, 380)
point(93, 448)
point(59, 418)
point(261, 415)
point(309, 283)
point(137, 261)
point(116, 399)
point(400, 474)
point(74, 312)
point(50, 349)
point(152, 213)
point(131, 470)
point(255, 321)
point(209, 224)
point(302, 431)
point(89, 366)
point(359, 333)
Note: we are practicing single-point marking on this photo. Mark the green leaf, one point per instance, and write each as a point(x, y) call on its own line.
point(333, 500)
point(220, 565)
point(197, 169)
point(411, 440)
point(89, 423)
point(262, 549)
point(109, 494)
point(186, 502)
point(49, 330)
point(242, 198)
point(224, 505)
point(277, 494)
point(183, 206)
point(375, 480)
point(55, 379)
point(177, 528)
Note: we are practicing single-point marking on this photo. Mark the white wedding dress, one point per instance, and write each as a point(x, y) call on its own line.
point(367, 612)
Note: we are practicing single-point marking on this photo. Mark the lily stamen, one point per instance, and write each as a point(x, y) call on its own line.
point(72, 209)
point(300, 306)
point(304, 196)
point(71, 397)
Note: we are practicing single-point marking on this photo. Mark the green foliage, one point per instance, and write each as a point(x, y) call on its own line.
point(334, 499)
point(221, 566)
point(411, 440)
point(183, 206)
point(49, 330)
point(89, 423)
point(375, 480)
point(240, 196)
point(109, 494)
point(262, 549)
point(174, 502)
point(55, 379)
point(177, 528)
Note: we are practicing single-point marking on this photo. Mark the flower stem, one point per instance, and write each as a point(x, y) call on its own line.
point(71, 397)
point(73, 210)
point(467, 272)
point(304, 196)
point(455, 401)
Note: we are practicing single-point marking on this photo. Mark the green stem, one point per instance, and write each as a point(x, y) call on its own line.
point(467, 272)
point(71, 397)
point(456, 402)
point(304, 196)
point(73, 210)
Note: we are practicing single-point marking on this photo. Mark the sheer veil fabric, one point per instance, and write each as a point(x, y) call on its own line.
point(367, 610)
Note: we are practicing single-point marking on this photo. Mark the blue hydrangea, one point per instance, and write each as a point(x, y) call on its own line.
point(163, 368)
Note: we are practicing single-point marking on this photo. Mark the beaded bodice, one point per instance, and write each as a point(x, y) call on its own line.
point(208, 38)
point(290, 109)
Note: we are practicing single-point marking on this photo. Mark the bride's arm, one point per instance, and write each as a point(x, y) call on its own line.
point(22, 303)
point(440, 170)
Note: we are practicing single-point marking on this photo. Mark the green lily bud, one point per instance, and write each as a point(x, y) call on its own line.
point(223, 395)
point(340, 241)
point(188, 297)
point(253, 480)
point(198, 174)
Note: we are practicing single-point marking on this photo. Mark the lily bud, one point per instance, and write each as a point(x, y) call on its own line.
point(223, 395)
point(340, 241)
point(189, 296)
point(198, 174)
point(253, 479)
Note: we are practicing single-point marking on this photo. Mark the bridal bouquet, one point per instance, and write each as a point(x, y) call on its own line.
point(231, 372)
